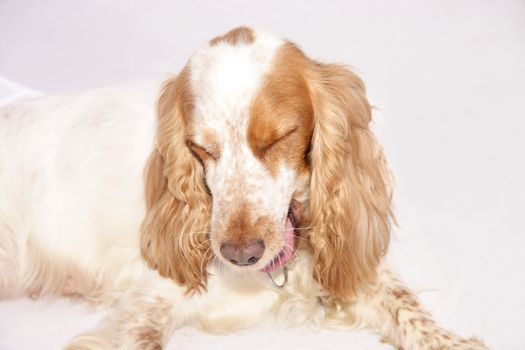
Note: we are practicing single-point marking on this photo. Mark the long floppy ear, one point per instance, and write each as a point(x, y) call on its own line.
point(175, 230)
point(350, 185)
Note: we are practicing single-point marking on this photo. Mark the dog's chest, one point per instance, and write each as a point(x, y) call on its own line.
point(236, 301)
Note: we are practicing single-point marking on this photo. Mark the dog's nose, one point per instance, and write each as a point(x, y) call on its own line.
point(243, 254)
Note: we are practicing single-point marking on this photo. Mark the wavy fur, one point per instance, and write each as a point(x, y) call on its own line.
point(350, 185)
point(175, 230)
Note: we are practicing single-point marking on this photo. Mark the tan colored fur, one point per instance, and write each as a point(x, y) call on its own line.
point(175, 229)
point(350, 184)
point(243, 35)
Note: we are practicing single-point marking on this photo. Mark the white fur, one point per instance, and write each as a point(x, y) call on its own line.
point(71, 196)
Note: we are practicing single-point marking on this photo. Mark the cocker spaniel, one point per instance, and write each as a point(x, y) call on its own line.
point(265, 197)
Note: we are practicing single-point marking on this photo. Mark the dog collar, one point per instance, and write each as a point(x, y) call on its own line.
point(285, 275)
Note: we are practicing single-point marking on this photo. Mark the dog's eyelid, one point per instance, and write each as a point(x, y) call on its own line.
point(289, 132)
point(269, 146)
point(202, 151)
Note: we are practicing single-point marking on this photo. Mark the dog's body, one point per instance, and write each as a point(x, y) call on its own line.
point(72, 203)
point(62, 153)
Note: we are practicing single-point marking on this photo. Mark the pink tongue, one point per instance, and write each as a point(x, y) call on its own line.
point(288, 250)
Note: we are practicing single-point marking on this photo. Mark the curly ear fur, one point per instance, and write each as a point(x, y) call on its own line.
point(175, 230)
point(350, 193)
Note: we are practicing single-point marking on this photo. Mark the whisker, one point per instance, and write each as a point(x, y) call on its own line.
point(221, 266)
point(193, 233)
point(205, 255)
point(294, 254)
point(279, 257)
point(181, 236)
point(304, 228)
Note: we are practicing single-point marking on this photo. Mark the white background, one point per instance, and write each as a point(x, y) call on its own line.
point(448, 81)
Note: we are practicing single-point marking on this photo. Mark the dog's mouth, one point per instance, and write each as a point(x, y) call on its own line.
point(287, 253)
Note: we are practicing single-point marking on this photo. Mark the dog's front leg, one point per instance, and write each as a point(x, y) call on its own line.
point(144, 318)
point(388, 307)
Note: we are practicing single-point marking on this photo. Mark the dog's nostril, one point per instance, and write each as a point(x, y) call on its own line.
point(252, 260)
point(243, 254)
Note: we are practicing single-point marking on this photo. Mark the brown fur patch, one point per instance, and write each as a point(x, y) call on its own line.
point(243, 228)
point(240, 226)
point(174, 232)
point(401, 293)
point(240, 35)
point(350, 197)
point(281, 116)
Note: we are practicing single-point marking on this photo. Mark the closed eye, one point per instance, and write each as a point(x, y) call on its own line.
point(266, 148)
point(202, 152)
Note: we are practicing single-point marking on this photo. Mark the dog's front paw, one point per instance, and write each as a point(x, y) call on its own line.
point(453, 342)
point(445, 341)
point(469, 344)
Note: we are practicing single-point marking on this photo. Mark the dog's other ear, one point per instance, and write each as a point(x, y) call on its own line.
point(174, 233)
point(350, 199)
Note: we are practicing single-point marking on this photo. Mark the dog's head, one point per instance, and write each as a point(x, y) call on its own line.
point(258, 145)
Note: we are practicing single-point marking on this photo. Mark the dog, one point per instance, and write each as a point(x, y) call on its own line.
point(257, 191)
